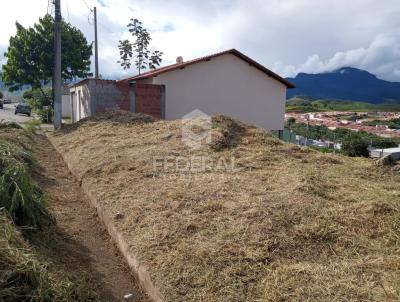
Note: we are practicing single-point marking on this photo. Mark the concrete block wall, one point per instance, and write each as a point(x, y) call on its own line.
point(111, 95)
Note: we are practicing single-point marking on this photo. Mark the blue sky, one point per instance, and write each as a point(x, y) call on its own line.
point(288, 36)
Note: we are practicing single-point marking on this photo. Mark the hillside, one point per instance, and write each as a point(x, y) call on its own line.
point(282, 223)
point(303, 104)
point(345, 84)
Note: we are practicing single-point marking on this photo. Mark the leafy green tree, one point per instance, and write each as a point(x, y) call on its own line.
point(139, 49)
point(290, 122)
point(30, 55)
point(354, 144)
point(38, 98)
point(27, 95)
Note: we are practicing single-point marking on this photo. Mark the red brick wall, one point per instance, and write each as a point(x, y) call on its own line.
point(148, 99)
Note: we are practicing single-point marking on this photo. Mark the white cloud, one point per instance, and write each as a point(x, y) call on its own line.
point(288, 36)
point(381, 57)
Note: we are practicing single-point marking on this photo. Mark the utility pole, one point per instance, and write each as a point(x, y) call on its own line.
point(96, 48)
point(57, 65)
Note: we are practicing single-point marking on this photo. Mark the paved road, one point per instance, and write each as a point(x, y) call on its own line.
point(7, 115)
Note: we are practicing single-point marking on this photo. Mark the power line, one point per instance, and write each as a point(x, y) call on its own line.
point(87, 5)
point(68, 11)
point(88, 18)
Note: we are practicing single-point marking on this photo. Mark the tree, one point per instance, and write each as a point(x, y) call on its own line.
point(30, 55)
point(36, 99)
point(354, 144)
point(139, 49)
point(1, 95)
point(290, 122)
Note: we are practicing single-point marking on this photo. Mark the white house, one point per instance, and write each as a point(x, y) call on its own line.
point(227, 83)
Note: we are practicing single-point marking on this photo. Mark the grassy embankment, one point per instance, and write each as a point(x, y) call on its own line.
point(24, 274)
point(287, 224)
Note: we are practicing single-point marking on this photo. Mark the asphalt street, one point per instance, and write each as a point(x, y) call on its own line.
point(7, 115)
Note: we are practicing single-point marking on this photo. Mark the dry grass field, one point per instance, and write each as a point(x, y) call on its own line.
point(269, 222)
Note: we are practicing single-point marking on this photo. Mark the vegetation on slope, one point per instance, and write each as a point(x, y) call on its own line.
point(24, 273)
point(306, 104)
point(21, 198)
point(392, 123)
point(277, 223)
point(22, 276)
point(319, 132)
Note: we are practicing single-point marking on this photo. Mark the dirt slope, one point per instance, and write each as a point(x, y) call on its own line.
point(81, 243)
point(286, 224)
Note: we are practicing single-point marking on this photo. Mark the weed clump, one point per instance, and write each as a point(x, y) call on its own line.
point(22, 276)
point(226, 132)
point(4, 125)
point(19, 196)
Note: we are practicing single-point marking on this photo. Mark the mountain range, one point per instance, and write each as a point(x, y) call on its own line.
point(346, 83)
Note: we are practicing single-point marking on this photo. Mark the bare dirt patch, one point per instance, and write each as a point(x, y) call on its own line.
point(289, 224)
point(79, 243)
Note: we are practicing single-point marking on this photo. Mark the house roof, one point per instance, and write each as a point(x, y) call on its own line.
point(235, 52)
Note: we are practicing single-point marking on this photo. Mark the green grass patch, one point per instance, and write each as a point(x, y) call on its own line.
point(32, 125)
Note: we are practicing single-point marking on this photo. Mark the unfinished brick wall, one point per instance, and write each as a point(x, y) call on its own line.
point(149, 99)
point(106, 95)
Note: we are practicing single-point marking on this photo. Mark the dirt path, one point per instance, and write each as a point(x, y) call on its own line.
point(82, 243)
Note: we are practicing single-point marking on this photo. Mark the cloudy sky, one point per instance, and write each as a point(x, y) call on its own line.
point(287, 36)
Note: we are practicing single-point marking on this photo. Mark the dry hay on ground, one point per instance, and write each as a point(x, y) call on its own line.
point(286, 223)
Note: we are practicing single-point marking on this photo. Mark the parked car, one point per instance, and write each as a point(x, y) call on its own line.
point(23, 109)
point(1, 104)
point(6, 101)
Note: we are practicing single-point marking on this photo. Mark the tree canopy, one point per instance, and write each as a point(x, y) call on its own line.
point(30, 55)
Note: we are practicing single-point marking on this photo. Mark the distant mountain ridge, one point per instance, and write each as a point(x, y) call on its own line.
point(346, 83)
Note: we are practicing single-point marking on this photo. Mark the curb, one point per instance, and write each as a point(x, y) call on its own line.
point(139, 270)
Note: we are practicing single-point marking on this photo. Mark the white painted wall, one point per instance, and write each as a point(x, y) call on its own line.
point(225, 85)
point(80, 101)
point(66, 107)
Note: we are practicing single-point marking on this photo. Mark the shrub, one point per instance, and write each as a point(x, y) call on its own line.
point(354, 144)
point(46, 115)
point(32, 125)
